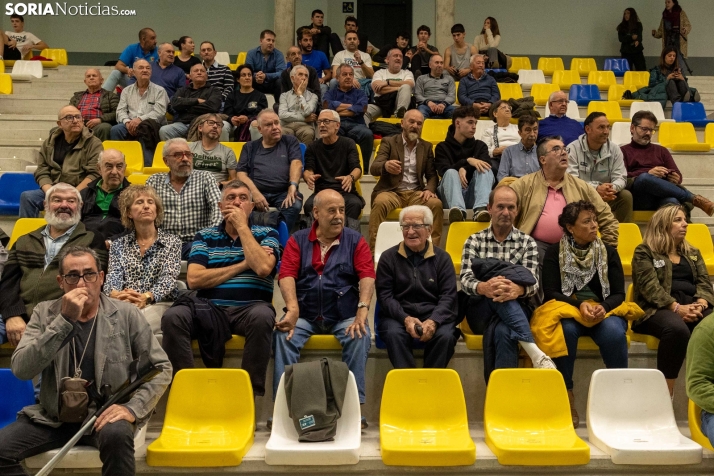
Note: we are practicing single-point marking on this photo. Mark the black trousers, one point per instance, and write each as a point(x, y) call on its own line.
point(353, 204)
point(636, 62)
point(437, 351)
point(676, 90)
point(255, 322)
point(11, 53)
point(23, 438)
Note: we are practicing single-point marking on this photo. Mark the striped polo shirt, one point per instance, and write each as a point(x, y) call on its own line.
point(214, 248)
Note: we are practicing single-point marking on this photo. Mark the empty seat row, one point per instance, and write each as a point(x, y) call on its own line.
point(583, 66)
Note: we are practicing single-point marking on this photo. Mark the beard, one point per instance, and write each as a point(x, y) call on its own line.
point(412, 136)
point(54, 220)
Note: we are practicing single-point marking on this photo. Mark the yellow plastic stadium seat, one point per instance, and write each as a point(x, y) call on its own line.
point(391, 120)
point(5, 84)
point(473, 341)
point(457, 94)
point(55, 54)
point(210, 420)
point(434, 130)
point(634, 80)
point(630, 237)
point(519, 62)
point(394, 214)
point(510, 91)
point(610, 108)
point(2, 66)
point(694, 414)
point(457, 236)
point(615, 92)
point(550, 65)
point(434, 432)
point(133, 154)
point(708, 133)
point(241, 57)
point(681, 136)
point(566, 78)
point(642, 216)
point(541, 92)
point(158, 165)
point(319, 342)
point(583, 65)
point(236, 146)
point(23, 226)
point(138, 179)
point(527, 419)
point(698, 236)
point(603, 79)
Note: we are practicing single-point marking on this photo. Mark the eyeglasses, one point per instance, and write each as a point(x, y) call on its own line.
point(76, 117)
point(559, 101)
point(504, 109)
point(177, 155)
point(214, 123)
point(325, 122)
point(646, 130)
point(74, 278)
point(417, 227)
point(557, 149)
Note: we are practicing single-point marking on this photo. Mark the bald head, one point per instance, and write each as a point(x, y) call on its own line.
point(329, 211)
point(70, 121)
point(436, 65)
point(412, 124)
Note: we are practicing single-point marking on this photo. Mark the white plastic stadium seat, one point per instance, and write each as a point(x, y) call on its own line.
point(26, 70)
point(389, 234)
point(283, 447)
point(620, 133)
point(529, 77)
point(654, 107)
point(630, 417)
point(222, 57)
point(481, 126)
point(86, 456)
point(573, 112)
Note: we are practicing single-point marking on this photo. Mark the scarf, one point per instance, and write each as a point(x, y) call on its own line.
point(578, 266)
point(672, 16)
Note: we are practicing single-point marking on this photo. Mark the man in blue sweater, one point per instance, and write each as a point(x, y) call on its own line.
point(165, 73)
point(267, 63)
point(558, 124)
point(478, 89)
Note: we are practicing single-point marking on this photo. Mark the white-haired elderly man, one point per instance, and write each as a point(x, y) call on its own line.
point(332, 162)
point(100, 211)
point(557, 123)
point(189, 205)
point(416, 292)
point(297, 110)
point(30, 274)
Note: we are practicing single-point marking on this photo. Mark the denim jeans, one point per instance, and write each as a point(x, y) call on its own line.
point(354, 351)
point(115, 78)
point(426, 111)
point(291, 214)
point(171, 131)
point(610, 337)
point(32, 202)
point(120, 132)
point(650, 192)
point(363, 136)
point(474, 196)
point(708, 425)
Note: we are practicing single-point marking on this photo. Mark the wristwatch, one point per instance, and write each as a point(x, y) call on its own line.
point(294, 183)
point(361, 304)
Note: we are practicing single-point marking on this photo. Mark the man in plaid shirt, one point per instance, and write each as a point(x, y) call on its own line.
point(503, 303)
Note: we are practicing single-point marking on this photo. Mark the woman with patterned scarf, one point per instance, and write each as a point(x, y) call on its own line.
point(586, 273)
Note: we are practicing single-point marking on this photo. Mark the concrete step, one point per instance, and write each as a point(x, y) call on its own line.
point(27, 154)
point(23, 134)
point(14, 164)
point(11, 104)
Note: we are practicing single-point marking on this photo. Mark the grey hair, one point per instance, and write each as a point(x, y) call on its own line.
point(63, 187)
point(552, 96)
point(100, 160)
point(295, 69)
point(425, 213)
point(334, 113)
point(165, 43)
point(342, 66)
point(170, 142)
point(77, 250)
point(237, 184)
point(476, 56)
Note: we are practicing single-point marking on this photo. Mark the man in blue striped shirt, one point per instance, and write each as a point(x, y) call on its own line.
point(233, 266)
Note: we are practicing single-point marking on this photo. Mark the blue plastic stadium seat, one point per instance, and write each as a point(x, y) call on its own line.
point(14, 395)
point(690, 112)
point(303, 148)
point(582, 94)
point(378, 340)
point(617, 65)
point(12, 184)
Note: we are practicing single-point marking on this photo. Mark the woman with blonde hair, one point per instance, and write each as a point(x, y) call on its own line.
point(144, 264)
point(671, 284)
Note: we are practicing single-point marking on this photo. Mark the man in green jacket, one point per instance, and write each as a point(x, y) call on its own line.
point(30, 274)
point(700, 372)
point(68, 155)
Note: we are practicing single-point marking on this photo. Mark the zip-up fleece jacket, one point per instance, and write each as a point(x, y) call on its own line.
point(606, 167)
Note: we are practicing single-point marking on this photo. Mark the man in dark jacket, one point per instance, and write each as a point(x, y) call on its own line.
point(191, 102)
point(464, 166)
point(98, 106)
point(416, 291)
point(100, 212)
point(330, 267)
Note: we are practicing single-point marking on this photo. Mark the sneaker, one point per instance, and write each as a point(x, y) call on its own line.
point(544, 362)
point(705, 204)
point(269, 424)
point(481, 215)
point(687, 97)
point(401, 111)
point(456, 214)
point(364, 423)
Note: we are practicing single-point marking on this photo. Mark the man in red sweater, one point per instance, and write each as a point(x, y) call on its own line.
point(657, 180)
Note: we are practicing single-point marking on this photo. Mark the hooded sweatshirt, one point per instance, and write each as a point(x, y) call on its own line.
point(450, 154)
point(604, 166)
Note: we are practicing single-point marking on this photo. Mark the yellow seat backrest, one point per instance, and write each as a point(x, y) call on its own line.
point(671, 133)
point(698, 235)
point(237, 147)
point(241, 58)
point(583, 65)
point(694, 415)
point(23, 226)
point(5, 84)
point(133, 155)
point(138, 179)
point(458, 233)
point(510, 91)
point(601, 78)
point(566, 78)
point(550, 65)
point(519, 62)
point(610, 108)
point(630, 237)
point(709, 134)
point(634, 80)
point(435, 130)
point(541, 92)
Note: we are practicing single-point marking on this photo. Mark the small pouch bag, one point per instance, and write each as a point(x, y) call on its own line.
point(73, 400)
